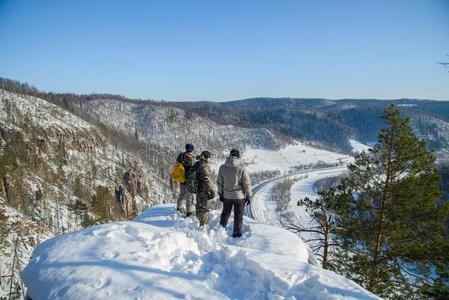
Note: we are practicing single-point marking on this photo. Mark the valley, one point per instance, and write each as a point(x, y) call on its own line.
point(72, 161)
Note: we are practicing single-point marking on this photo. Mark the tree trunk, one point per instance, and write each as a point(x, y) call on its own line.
point(381, 222)
point(325, 245)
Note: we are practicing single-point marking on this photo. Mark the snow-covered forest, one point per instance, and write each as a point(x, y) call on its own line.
point(70, 162)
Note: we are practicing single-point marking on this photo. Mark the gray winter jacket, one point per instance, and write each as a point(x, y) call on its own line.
point(233, 180)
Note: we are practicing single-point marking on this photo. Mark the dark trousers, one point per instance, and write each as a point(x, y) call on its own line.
point(238, 214)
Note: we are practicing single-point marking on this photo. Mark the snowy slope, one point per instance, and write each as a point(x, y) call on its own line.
point(52, 166)
point(172, 127)
point(357, 146)
point(160, 255)
point(40, 112)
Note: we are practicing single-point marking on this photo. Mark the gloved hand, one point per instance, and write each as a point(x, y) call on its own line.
point(221, 197)
point(247, 200)
point(211, 194)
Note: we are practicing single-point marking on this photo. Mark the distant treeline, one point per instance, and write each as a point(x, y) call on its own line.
point(330, 123)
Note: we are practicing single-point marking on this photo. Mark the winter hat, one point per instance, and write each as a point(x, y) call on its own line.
point(235, 152)
point(189, 148)
point(205, 154)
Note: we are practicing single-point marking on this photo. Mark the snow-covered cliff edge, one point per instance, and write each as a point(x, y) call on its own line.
point(161, 255)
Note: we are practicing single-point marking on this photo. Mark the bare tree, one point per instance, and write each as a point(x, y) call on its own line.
point(319, 231)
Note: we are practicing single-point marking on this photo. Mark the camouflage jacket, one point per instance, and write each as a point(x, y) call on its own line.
point(204, 177)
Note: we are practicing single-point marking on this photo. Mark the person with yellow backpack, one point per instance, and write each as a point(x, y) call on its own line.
point(181, 173)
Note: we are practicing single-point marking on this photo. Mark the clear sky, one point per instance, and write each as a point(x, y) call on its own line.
point(226, 50)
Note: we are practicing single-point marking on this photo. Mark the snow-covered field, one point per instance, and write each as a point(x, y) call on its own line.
point(290, 156)
point(161, 255)
point(287, 159)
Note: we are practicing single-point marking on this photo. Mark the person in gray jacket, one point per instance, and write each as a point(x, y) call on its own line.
point(234, 188)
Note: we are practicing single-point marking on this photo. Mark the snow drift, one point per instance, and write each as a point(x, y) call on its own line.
point(161, 255)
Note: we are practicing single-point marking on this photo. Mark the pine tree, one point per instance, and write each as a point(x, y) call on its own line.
point(395, 228)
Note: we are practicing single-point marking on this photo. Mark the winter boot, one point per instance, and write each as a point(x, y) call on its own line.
point(237, 235)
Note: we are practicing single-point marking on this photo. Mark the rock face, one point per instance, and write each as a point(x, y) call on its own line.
point(132, 188)
point(58, 174)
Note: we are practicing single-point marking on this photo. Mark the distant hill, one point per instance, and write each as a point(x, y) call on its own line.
point(329, 123)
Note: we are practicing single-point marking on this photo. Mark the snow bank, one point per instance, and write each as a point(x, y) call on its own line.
point(161, 255)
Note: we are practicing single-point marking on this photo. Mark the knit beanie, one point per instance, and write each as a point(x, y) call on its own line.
point(235, 152)
point(189, 148)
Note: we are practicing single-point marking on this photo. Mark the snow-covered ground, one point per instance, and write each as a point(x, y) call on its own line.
point(357, 146)
point(39, 111)
point(304, 188)
point(161, 255)
point(263, 209)
point(288, 157)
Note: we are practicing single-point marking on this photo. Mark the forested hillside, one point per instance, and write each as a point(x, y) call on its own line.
point(59, 173)
point(330, 122)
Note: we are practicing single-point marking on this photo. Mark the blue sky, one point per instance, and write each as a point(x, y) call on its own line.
point(226, 50)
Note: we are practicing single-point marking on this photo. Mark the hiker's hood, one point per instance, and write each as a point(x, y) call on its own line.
point(232, 161)
point(203, 160)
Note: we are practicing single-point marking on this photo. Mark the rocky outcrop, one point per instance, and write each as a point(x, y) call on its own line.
point(131, 188)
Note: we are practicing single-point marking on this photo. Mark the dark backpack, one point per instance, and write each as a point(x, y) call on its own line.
point(192, 181)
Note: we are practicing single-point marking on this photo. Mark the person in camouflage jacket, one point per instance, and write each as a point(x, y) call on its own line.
point(206, 191)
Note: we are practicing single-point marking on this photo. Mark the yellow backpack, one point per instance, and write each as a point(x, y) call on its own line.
point(178, 173)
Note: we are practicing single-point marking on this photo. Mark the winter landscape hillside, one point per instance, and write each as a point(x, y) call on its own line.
point(266, 150)
point(59, 174)
point(72, 162)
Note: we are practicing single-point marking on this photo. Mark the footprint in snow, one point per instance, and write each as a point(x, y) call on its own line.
point(110, 255)
point(98, 283)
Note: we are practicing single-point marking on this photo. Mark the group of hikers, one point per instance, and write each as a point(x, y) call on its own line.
point(195, 178)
